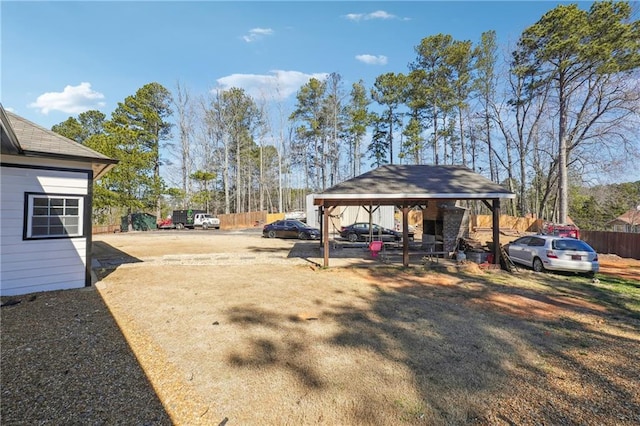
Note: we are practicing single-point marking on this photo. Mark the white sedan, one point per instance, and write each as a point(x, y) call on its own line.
point(548, 252)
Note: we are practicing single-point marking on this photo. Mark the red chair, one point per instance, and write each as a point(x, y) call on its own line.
point(375, 247)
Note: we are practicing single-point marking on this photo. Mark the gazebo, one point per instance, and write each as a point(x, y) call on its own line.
point(409, 186)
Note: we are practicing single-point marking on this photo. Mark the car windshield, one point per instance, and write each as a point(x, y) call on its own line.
point(570, 244)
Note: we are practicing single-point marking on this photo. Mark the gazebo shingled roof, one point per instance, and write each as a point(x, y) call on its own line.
point(406, 186)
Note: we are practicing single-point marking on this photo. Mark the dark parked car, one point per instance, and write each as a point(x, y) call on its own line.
point(290, 229)
point(542, 252)
point(359, 231)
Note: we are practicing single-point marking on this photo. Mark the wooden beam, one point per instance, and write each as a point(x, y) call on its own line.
point(325, 237)
point(405, 235)
point(371, 210)
point(496, 231)
point(320, 215)
point(325, 233)
point(421, 206)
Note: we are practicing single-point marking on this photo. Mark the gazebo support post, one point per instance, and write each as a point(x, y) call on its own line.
point(321, 221)
point(496, 231)
point(495, 210)
point(325, 233)
point(405, 236)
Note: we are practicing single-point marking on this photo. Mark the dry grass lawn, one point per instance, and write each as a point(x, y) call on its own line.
point(231, 328)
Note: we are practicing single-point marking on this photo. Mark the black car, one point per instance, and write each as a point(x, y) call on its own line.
point(359, 231)
point(290, 229)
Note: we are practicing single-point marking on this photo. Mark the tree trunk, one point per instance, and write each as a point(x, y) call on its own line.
point(280, 178)
point(462, 141)
point(261, 183)
point(238, 208)
point(563, 192)
point(492, 166)
point(225, 180)
point(156, 176)
point(390, 135)
point(436, 148)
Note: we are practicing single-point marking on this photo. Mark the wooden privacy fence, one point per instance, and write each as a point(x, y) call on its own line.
point(227, 221)
point(242, 220)
point(623, 244)
point(105, 229)
point(522, 224)
point(272, 217)
point(479, 223)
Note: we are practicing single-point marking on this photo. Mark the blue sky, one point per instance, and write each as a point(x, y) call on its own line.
point(63, 58)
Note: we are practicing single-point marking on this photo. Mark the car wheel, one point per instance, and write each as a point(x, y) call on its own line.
point(271, 234)
point(205, 226)
point(590, 274)
point(537, 265)
point(302, 235)
point(179, 226)
point(352, 237)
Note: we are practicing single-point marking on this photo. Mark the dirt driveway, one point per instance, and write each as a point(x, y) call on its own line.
point(232, 328)
point(248, 246)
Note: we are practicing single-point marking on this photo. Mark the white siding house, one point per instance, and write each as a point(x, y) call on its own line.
point(45, 208)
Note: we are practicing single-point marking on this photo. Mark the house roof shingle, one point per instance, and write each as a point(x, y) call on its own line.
point(9, 141)
point(36, 139)
point(631, 217)
point(23, 137)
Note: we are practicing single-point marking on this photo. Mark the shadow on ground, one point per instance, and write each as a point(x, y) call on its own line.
point(65, 361)
point(107, 258)
point(255, 249)
point(344, 253)
point(480, 350)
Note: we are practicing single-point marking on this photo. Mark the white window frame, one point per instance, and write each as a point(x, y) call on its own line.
point(55, 215)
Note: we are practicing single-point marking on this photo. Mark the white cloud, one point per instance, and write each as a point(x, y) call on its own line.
point(72, 100)
point(277, 85)
point(257, 34)
point(372, 59)
point(10, 109)
point(378, 14)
